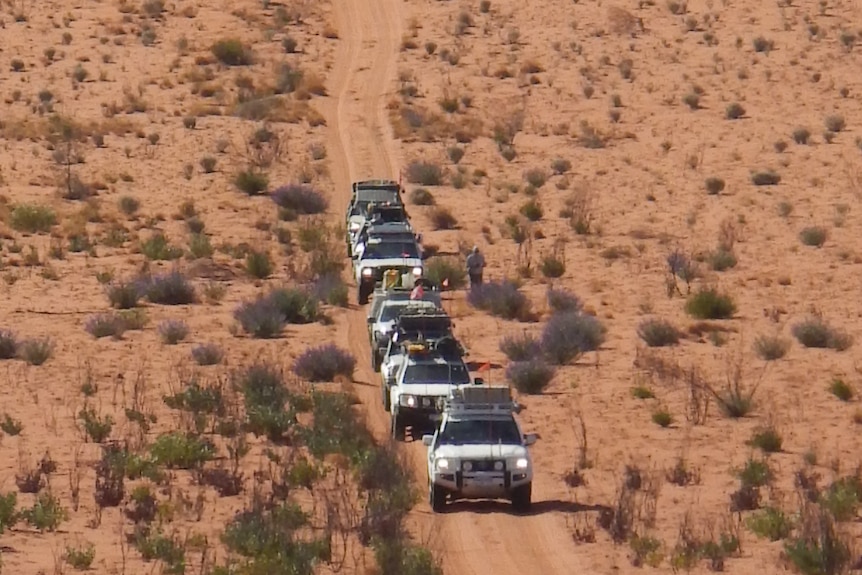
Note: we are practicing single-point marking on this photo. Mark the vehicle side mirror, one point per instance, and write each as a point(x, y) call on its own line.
point(427, 440)
point(530, 438)
point(479, 381)
point(419, 238)
point(370, 320)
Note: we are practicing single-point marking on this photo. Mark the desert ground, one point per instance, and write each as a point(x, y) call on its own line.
point(689, 173)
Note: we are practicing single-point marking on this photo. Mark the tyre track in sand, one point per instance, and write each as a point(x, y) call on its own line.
point(361, 145)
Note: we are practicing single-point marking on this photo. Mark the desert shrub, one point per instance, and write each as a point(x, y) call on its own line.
point(424, 173)
point(232, 52)
point(814, 236)
point(32, 219)
point(561, 300)
point(771, 347)
point(80, 558)
point(817, 333)
point(259, 264)
point(714, 186)
point(108, 324)
point(662, 417)
point(766, 178)
point(8, 344)
point(173, 331)
point(569, 334)
point(300, 198)
point(421, 197)
point(770, 523)
point(532, 210)
point(560, 166)
point(324, 363)
point(398, 556)
point(260, 318)
point(709, 303)
point(296, 305)
point(835, 123)
point(169, 288)
point(818, 548)
point(500, 298)
point(536, 177)
point(46, 514)
point(521, 347)
point(553, 266)
point(36, 351)
point(842, 497)
point(801, 135)
point(722, 259)
point(766, 439)
point(330, 288)
point(158, 248)
point(841, 389)
point(530, 376)
point(123, 294)
point(440, 268)
point(658, 333)
point(734, 111)
point(178, 450)
point(207, 354)
point(442, 219)
point(251, 182)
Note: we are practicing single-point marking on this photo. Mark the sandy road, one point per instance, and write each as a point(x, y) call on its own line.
point(478, 540)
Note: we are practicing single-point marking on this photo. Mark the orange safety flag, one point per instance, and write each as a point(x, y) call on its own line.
point(485, 366)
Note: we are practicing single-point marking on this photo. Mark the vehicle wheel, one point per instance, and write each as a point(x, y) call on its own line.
point(387, 400)
point(522, 498)
point(437, 498)
point(361, 295)
point(397, 428)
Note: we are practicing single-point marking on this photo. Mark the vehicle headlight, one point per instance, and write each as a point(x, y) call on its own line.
point(384, 329)
point(522, 463)
point(417, 271)
point(442, 464)
point(354, 227)
point(408, 400)
point(467, 466)
point(366, 272)
point(498, 466)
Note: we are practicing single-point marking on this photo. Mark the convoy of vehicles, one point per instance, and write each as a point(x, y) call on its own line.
point(476, 449)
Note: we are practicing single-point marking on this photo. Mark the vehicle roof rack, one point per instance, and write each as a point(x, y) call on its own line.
point(487, 399)
point(444, 346)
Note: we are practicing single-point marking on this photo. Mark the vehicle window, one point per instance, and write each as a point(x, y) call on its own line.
point(478, 431)
point(391, 250)
point(454, 373)
point(391, 311)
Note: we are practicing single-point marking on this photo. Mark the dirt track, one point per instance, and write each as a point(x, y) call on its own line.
point(473, 539)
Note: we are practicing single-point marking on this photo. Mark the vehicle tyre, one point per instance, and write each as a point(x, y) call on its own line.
point(397, 428)
point(361, 295)
point(522, 498)
point(437, 498)
point(387, 400)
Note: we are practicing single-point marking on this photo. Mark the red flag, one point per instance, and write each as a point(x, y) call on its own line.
point(485, 367)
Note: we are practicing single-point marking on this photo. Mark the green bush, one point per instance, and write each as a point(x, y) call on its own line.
point(32, 219)
point(709, 303)
point(439, 268)
point(232, 52)
point(770, 523)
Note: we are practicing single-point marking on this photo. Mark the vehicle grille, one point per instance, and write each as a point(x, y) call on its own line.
point(482, 465)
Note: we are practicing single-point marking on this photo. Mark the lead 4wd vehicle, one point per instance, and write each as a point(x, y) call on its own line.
point(478, 450)
point(364, 192)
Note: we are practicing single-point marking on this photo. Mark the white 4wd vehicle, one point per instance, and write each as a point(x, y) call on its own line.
point(381, 254)
point(478, 450)
point(382, 325)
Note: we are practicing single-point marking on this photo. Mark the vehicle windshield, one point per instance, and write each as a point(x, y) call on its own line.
point(385, 250)
point(391, 311)
point(454, 373)
point(480, 431)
